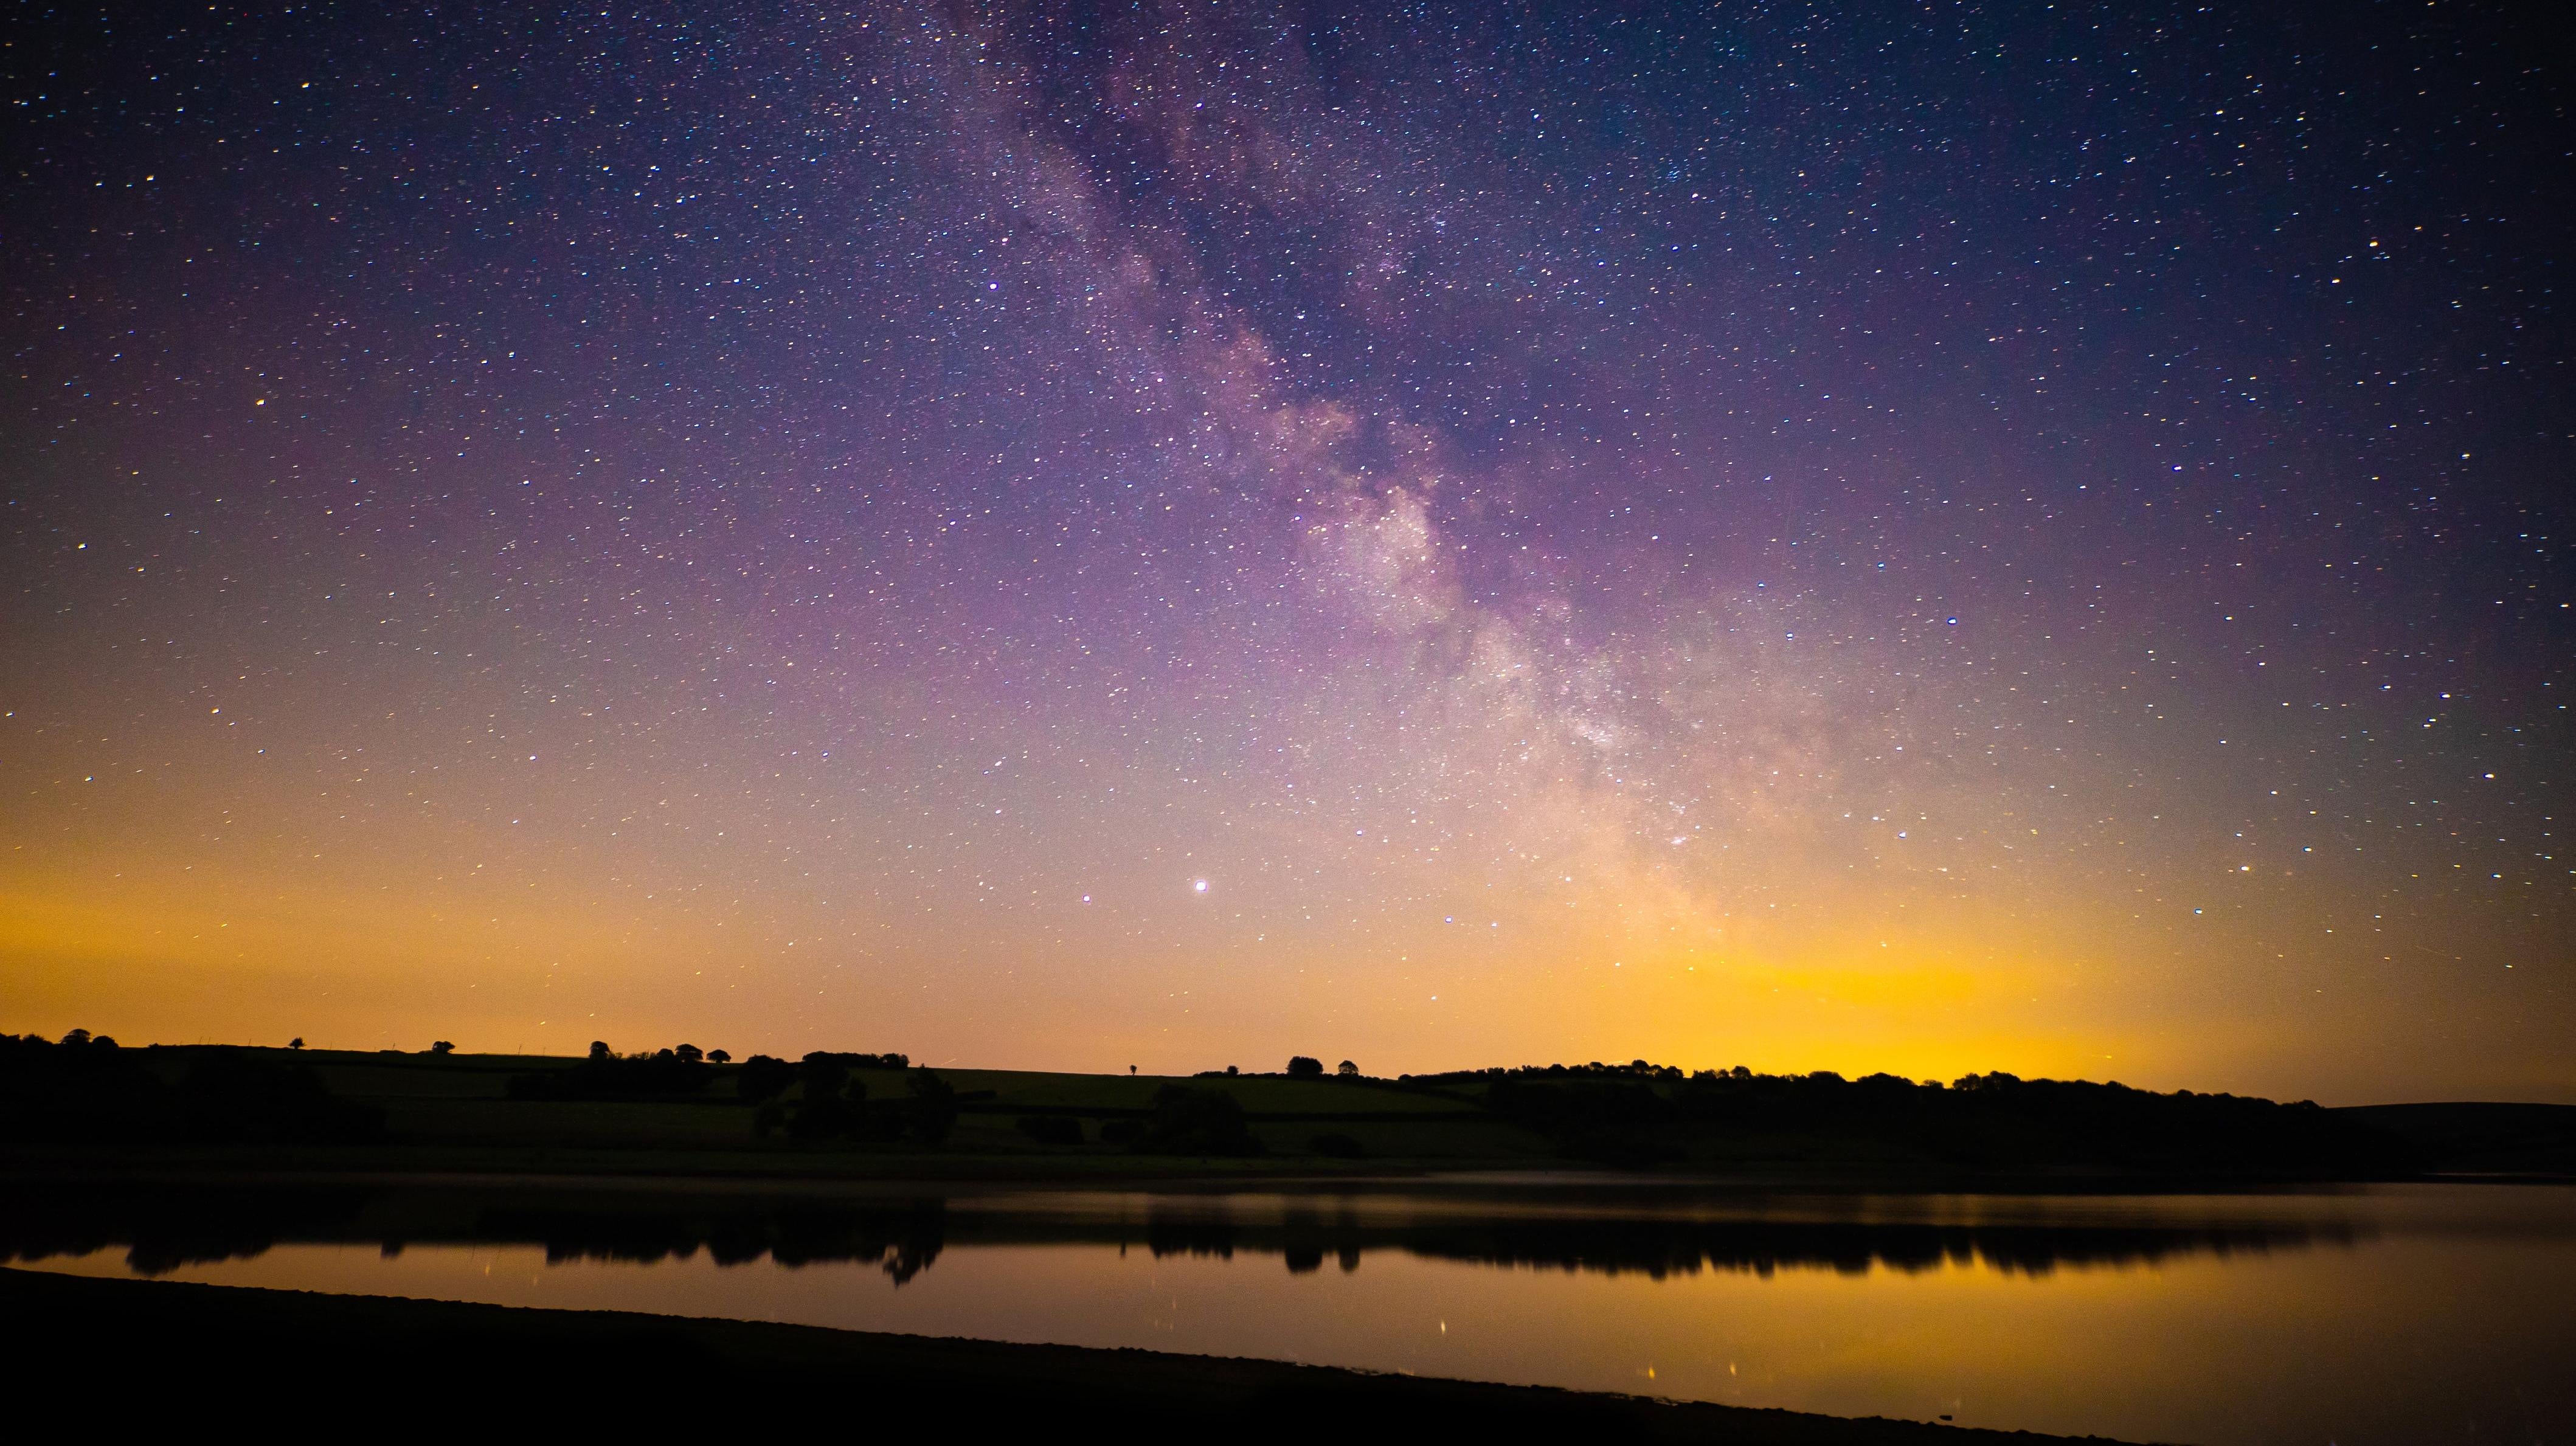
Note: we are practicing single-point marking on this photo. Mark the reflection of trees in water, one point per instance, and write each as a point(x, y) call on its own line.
point(1183, 1235)
point(905, 1238)
point(166, 1229)
point(1661, 1248)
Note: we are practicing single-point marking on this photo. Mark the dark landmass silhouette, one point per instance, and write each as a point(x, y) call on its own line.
point(84, 1090)
point(2483, 1138)
point(175, 1156)
point(215, 1352)
point(1641, 1115)
point(842, 1114)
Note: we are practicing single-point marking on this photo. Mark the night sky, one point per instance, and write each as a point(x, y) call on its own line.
point(1912, 537)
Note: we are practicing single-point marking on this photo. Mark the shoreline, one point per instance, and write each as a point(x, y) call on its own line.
point(209, 1343)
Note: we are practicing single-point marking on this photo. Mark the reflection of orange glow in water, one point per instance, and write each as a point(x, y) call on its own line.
point(2398, 1338)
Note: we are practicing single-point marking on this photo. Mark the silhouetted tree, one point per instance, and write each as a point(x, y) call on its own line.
point(763, 1077)
point(1306, 1067)
point(934, 1116)
point(822, 1075)
point(296, 1043)
point(1347, 1070)
point(690, 1053)
point(1191, 1121)
point(442, 1047)
point(718, 1056)
point(599, 1049)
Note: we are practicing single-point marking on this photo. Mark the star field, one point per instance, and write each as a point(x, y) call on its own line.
point(1929, 538)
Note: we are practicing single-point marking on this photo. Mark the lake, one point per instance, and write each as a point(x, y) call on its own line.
point(2400, 1314)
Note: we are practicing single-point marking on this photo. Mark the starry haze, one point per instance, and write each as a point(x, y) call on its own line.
point(1922, 537)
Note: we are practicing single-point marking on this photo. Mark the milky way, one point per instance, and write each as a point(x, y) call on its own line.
point(1926, 538)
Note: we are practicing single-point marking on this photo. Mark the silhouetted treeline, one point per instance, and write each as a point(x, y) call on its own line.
point(1643, 1114)
point(89, 1091)
point(1300, 1066)
point(832, 1105)
point(847, 1060)
point(685, 1070)
point(606, 1075)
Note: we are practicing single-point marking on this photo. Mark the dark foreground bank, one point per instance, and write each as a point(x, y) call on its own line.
point(215, 1352)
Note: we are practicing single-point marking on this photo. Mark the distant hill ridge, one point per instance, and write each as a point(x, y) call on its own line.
point(841, 1112)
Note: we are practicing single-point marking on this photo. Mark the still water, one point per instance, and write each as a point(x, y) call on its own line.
point(2402, 1314)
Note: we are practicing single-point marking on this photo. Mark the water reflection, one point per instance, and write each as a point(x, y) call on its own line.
point(2400, 1315)
point(904, 1238)
point(163, 1230)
